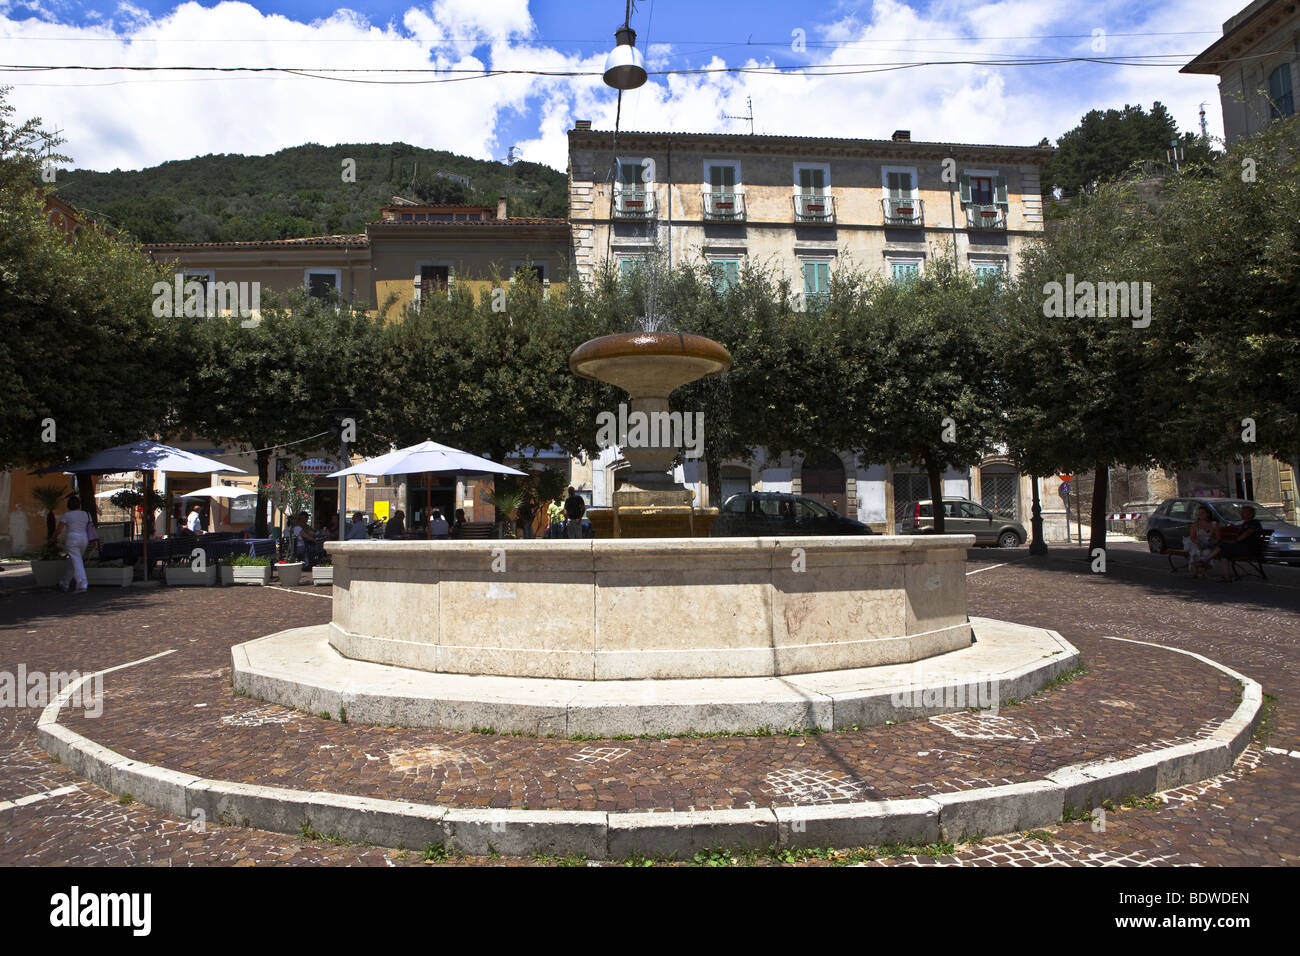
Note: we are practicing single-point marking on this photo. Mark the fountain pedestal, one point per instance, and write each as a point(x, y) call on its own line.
point(649, 366)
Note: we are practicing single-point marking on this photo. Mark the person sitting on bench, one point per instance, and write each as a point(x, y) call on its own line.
point(1202, 542)
point(1247, 546)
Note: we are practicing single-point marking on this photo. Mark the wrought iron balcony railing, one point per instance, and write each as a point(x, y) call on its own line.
point(903, 212)
point(986, 217)
point(723, 206)
point(632, 203)
point(814, 207)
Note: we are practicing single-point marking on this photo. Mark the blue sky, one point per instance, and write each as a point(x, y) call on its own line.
point(129, 120)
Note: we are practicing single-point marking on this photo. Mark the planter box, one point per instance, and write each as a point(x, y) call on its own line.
point(290, 574)
point(110, 577)
point(188, 577)
point(48, 573)
point(322, 574)
point(251, 573)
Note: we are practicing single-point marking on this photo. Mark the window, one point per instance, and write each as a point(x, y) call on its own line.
point(984, 197)
point(1281, 101)
point(536, 269)
point(722, 177)
point(812, 199)
point(809, 510)
point(812, 179)
point(722, 194)
point(726, 273)
point(634, 188)
point(901, 200)
point(1180, 510)
point(816, 278)
point(902, 270)
point(320, 283)
point(630, 266)
point(431, 279)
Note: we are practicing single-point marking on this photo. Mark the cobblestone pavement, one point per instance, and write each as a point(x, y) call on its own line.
point(178, 710)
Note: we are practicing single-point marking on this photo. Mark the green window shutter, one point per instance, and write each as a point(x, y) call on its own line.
point(816, 278)
point(630, 174)
point(629, 267)
point(1000, 189)
point(725, 273)
point(722, 178)
point(812, 182)
point(963, 182)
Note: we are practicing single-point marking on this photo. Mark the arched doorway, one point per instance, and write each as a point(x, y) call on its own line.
point(823, 478)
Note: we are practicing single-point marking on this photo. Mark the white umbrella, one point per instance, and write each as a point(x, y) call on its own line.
point(427, 457)
point(144, 456)
point(222, 491)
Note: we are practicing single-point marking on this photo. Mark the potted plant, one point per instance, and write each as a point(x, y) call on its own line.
point(109, 573)
point(322, 572)
point(48, 568)
point(506, 500)
point(180, 572)
point(249, 570)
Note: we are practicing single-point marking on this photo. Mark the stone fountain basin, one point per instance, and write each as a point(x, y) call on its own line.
point(643, 608)
point(649, 364)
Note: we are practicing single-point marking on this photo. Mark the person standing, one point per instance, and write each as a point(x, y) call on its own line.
point(195, 521)
point(524, 518)
point(574, 509)
point(77, 524)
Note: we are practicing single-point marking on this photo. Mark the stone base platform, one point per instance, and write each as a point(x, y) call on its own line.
point(299, 668)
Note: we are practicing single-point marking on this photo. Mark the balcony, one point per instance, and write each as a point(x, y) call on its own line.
point(814, 207)
point(724, 206)
point(986, 217)
point(631, 203)
point(903, 212)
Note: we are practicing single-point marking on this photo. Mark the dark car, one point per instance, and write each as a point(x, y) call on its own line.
point(963, 516)
point(1168, 525)
point(773, 514)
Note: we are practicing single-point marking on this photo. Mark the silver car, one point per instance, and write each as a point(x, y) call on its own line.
point(963, 516)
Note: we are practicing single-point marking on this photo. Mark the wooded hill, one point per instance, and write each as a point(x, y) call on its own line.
point(299, 191)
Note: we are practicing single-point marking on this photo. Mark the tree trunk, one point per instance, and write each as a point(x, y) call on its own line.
point(935, 475)
point(713, 473)
point(86, 492)
point(263, 479)
point(1097, 531)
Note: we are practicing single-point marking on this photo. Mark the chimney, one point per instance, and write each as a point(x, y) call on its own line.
point(501, 207)
point(582, 124)
point(902, 136)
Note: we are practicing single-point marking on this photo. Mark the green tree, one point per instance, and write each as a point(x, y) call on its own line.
point(84, 363)
point(1085, 390)
point(1227, 267)
point(1105, 144)
point(271, 383)
point(926, 390)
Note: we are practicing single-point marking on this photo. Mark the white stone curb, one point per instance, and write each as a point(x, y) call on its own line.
point(611, 836)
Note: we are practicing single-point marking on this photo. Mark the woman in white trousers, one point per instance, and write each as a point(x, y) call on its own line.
point(77, 523)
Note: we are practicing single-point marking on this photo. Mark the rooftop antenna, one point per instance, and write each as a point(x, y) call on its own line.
point(749, 101)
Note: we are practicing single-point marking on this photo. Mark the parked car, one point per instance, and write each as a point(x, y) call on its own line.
point(1168, 525)
point(771, 514)
point(963, 516)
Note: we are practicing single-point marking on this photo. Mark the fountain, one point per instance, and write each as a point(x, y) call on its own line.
point(651, 626)
point(649, 366)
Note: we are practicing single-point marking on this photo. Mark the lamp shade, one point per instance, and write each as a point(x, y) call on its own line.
point(625, 67)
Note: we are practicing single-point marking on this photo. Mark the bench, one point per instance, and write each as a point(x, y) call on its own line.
point(1254, 563)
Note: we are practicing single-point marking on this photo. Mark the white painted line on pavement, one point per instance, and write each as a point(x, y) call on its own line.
point(1284, 753)
point(35, 798)
point(276, 587)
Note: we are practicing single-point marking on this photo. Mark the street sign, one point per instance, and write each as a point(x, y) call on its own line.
point(1065, 489)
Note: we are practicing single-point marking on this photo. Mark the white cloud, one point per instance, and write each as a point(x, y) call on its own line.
point(143, 119)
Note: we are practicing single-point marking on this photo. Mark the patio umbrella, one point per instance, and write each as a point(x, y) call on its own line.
point(428, 457)
point(144, 456)
point(221, 491)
